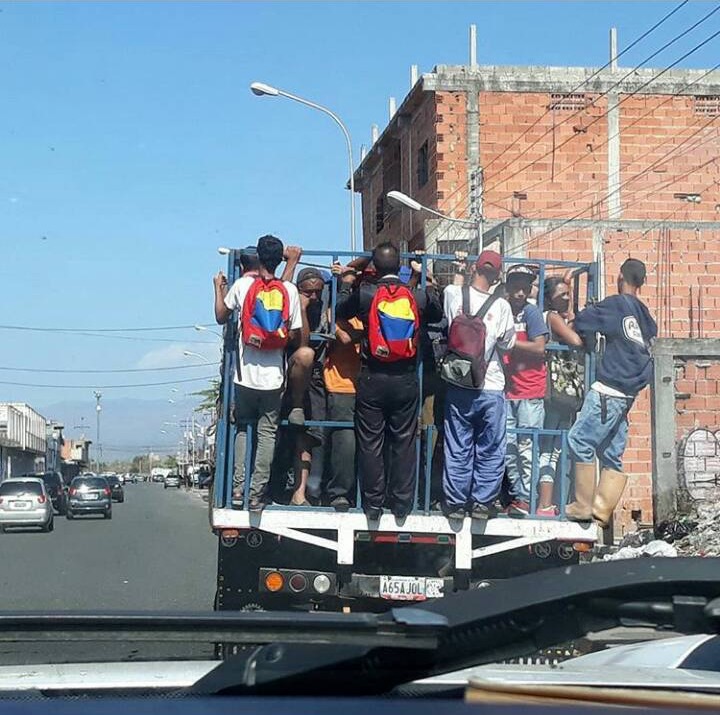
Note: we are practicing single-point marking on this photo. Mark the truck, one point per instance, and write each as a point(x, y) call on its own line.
point(314, 558)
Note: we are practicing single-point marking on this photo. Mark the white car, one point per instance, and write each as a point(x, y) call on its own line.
point(25, 502)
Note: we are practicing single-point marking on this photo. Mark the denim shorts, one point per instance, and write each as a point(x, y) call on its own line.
point(600, 430)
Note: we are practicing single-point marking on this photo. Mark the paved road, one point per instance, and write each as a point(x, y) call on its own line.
point(155, 554)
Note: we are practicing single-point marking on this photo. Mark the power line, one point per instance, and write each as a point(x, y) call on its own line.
point(601, 116)
point(106, 330)
point(593, 75)
point(647, 190)
point(106, 387)
point(96, 372)
point(656, 164)
point(613, 86)
point(140, 340)
point(669, 98)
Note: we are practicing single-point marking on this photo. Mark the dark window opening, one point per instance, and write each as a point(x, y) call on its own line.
point(379, 214)
point(568, 102)
point(707, 106)
point(423, 166)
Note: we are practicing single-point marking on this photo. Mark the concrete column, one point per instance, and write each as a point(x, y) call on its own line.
point(664, 458)
point(613, 157)
point(598, 250)
point(613, 49)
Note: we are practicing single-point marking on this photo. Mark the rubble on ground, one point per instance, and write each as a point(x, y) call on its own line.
point(694, 534)
point(656, 547)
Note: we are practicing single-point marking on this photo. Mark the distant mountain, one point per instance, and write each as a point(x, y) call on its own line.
point(128, 426)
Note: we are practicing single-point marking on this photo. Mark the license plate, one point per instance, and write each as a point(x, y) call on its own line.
point(90, 496)
point(21, 505)
point(410, 588)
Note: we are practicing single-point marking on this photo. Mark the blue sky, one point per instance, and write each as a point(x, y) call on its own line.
point(131, 148)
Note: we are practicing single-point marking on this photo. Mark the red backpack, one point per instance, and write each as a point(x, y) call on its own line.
point(265, 315)
point(393, 323)
point(464, 364)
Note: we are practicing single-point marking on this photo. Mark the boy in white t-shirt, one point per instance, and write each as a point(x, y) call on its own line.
point(260, 374)
point(475, 444)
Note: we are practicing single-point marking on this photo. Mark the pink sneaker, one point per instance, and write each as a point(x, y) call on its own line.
point(551, 510)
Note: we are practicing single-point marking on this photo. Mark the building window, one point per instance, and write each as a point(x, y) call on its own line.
point(379, 214)
point(423, 166)
point(569, 102)
point(708, 105)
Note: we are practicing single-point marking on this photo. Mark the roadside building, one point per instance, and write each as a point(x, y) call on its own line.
point(577, 164)
point(23, 439)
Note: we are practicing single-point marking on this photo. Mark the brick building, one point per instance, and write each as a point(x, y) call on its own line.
point(572, 164)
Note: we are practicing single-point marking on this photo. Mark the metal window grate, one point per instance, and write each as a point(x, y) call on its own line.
point(707, 105)
point(568, 101)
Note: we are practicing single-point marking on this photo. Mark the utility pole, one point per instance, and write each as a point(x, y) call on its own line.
point(476, 206)
point(98, 449)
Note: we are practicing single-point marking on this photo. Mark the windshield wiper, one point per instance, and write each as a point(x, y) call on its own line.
point(505, 620)
point(400, 628)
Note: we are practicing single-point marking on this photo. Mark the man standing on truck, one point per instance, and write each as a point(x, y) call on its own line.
point(475, 408)
point(305, 397)
point(600, 430)
point(269, 320)
point(526, 384)
point(386, 410)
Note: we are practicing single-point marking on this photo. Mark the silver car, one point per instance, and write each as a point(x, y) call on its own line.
point(172, 480)
point(25, 502)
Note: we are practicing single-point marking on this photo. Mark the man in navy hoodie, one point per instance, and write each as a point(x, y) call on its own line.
point(601, 427)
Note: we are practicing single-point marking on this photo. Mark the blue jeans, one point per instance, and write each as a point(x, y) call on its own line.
point(599, 432)
point(556, 418)
point(522, 414)
point(474, 448)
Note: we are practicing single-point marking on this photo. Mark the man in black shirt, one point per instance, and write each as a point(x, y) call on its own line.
point(387, 402)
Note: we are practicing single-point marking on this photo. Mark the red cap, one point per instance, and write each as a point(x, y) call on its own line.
point(489, 258)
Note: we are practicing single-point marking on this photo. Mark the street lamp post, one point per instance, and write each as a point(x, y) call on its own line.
point(260, 89)
point(399, 199)
point(189, 353)
point(205, 329)
point(98, 450)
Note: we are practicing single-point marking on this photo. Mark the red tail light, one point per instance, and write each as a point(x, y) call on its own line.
point(73, 492)
point(41, 499)
point(1, 500)
point(107, 491)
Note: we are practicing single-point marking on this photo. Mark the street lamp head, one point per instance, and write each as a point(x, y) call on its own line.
point(397, 198)
point(259, 89)
point(223, 251)
point(199, 327)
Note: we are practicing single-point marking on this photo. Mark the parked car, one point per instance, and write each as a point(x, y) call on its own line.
point(89, 495)
point(172, 480)
point(117, 493)
point(24, 501)
point(55, 488)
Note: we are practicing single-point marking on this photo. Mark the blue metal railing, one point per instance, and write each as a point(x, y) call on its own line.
point(227, 429)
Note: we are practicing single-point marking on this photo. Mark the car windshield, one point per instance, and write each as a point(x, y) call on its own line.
point(90, 483)
point(8, 489)
point(350, 309)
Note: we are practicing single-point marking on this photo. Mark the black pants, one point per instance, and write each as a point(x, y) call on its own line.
point(386, 417)
point(341, 445)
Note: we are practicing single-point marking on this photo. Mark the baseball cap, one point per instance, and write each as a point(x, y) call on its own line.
point(489, 258)
point(521, 270)
point(309, 274)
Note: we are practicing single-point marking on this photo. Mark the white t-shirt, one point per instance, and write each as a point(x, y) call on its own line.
point(261, 369)
point(499, 324)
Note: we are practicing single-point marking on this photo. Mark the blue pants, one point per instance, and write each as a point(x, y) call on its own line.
point(474, 447)
point(600, 430)
point(522, 414)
